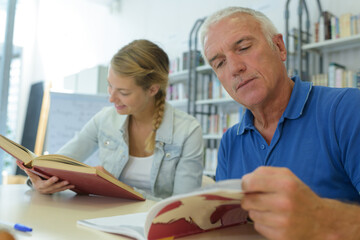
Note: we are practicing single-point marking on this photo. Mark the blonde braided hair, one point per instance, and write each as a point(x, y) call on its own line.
point(157, 119)
point(148, 64)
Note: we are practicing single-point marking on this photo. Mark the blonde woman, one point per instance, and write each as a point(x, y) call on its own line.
point(142, 140)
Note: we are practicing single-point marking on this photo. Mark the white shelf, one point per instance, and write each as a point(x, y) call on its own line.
point(215, 101)
point(203, 69)
point(333, 45)
point(178, 103)
point(183, 75)
point(212, 136)
point(179, 76)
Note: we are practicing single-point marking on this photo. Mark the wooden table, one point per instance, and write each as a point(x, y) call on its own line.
point(55, 216)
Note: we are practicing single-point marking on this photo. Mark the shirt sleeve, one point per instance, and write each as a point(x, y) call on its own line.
point(347, 125)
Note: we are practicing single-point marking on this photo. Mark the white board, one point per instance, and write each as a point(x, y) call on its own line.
point(68, 113)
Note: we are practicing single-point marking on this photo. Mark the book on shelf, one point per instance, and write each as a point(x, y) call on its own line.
point(86, 179)
point(327, 24)
point(176, 91)
point(335, 74)
point(344, 25)
point(353, 25)
point(333, 27)
point(216, 206)
point(342, 78)
point(320, 79)
point(191, 59)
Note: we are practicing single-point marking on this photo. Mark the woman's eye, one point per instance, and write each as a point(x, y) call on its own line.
point(124, 94)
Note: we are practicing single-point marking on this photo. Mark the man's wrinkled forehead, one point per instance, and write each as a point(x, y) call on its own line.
point(239, 24)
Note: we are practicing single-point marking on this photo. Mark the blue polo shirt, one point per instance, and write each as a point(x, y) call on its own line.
point(317, 138)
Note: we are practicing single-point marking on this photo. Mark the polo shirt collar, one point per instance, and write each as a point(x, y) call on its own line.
point(298, 99)
point(294, 109)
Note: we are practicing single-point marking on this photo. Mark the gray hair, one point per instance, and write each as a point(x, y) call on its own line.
point(268, 28)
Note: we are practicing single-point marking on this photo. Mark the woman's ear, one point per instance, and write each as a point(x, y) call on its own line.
point(154, 89)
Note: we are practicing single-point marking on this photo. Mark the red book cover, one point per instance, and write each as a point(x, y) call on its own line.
point(196, 214)
point(91, 183)
point(86, 179)
point(214, 207)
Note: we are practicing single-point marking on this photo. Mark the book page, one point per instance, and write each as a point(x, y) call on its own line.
point(230, 184)
point(131, 225)
point(16, 150)
point(62, 166)
point(61, 159)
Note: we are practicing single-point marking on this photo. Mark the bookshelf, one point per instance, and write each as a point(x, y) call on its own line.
point(218, 101)
point(177, 89)
point(332, 45)
point(332, 54)
point(331, 69)
point(179, 76)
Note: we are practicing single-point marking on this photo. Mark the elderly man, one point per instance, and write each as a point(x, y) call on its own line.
point(297, 146)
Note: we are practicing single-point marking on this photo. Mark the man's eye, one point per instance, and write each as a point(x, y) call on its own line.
point(243, 48)
point(219, 64)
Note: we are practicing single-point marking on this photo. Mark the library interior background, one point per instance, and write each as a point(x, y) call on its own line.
point(54, 56)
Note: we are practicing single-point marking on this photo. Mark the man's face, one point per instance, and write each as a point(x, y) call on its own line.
point(248, 68)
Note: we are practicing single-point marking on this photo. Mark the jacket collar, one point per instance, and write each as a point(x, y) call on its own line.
point(164, 132)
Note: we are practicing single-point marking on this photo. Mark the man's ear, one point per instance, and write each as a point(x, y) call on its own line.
point(154, 89)
point(280, 46)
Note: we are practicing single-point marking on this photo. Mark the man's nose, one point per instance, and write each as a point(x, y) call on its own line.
point(235, 64)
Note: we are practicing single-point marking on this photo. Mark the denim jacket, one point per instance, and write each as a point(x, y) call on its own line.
point(178, 155)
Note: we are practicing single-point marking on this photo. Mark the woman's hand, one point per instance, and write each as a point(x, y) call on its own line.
point(48, 186)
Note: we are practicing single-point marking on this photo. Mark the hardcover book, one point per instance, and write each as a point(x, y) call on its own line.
point(86, 179)
point(213, 207)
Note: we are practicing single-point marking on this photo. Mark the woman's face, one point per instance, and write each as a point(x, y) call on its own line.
point(128, 98)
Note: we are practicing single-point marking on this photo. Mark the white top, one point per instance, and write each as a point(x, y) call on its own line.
point(136, 172)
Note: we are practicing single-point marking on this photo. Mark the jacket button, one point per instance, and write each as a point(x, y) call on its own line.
point(107, 143)
point(161, 144)
point(168, 155)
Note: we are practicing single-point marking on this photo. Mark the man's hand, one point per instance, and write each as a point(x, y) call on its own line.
point(49, 186)
point(283, 207)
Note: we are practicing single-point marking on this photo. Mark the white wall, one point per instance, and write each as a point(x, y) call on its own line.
point(62, 37)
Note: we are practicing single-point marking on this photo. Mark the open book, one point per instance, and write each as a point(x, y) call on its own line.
point(216, 206)
point(87, 179)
